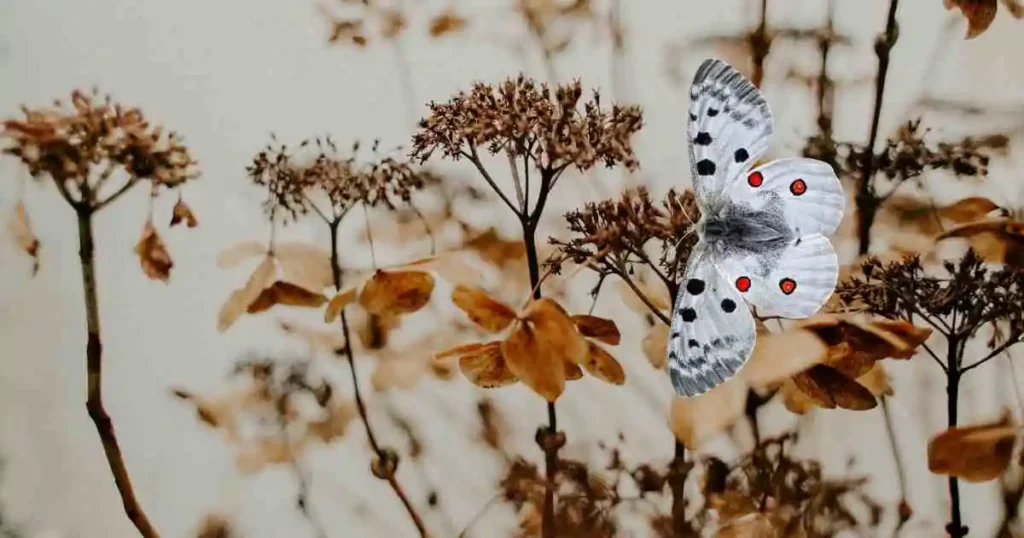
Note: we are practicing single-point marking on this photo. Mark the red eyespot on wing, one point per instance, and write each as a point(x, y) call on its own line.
point(755, 179)
point(743, 284)
point(798, 187)
point(787, 285)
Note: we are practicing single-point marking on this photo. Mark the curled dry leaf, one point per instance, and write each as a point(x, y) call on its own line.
point(857, 342)
point(490, 314)
point(483, 364)
point(447, 22)
point(287, 294)
point(183, 213)
point(655, 344)
point(602, 365)
point(534, 361)
point(239, 300)
point(556, 330)
point(794, 400)
point(780, 356)
point(301, 264)
point(695, 420)
point(572, 371)
point(876, 381)
point(973, 453)
point(600, 329)
point(20, 228)
point(979, 14)
point(829, 388)
point(396, 292)
point(153, 256)
point(997, 239)
point(338, 303)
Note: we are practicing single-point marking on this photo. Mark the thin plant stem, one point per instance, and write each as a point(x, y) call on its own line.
point(381, 456)
point(955, 528)
point(94, 369)
point(897, 459)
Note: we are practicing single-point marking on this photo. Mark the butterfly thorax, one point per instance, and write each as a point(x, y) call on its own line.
point(738, 228)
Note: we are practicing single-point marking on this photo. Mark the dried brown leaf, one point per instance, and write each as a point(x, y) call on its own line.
point(979, 14)
point(876, 381)
point(556, 330)
point(779, 356)
point(489, 313)
point(447, 22)
point(573, 371)
point(534, 361)
point(20, 228)
point(829, 388)
point(482, 364)
point(153, 256)
point(655, 345)
point(239, 300)
point(602, 365)
point(973, 453)
point(183, 213)
point(305, 265)
point(240, 252)
point(600, 329)
point(695, 420)
point(794, 399)
point(286, 294)
point(338, 303)
point(396, 292)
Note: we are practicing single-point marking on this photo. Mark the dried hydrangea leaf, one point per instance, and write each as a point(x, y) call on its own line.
point(239, 300)
point(396, 292)
point(20, 228)
point(973, 453)
point(779, 356)
point(555, 330)
point(534, 361)
point(979, 14)
point(602, 365)
point(655, 345)
point(306, 265)
point(183, 213)
point(573, 371)
point(695, 420)
point(829, 388)
point(483, 364)
point(489, 313)
point(876, 381)
point(447, 22)
point(338, 303)
point(794, 399)
point(286, 294)
point(600, 329)
point(153, 256)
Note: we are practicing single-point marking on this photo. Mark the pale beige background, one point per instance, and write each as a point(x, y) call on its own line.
point(225, 73)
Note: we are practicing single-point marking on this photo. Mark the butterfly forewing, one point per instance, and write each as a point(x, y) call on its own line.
point(712, 333)
point(730, 123)
point(812, 199)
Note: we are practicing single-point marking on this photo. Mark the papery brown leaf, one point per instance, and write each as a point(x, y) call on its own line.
point(482, 364)
point(555, 330)
point(20, 228)
point(183, 213)
point(1016, 8)
point(396, 292)
point(876, 381)
point(337, 303)
point(447, 22)
point(794, 399)
point(153, 256)
point(239, 300)
point(305, 265)
point(489, 313)
point(979, 14)
point(600, 329)
point(602, 365)
point(334, 424)
point(535, 362)
point(655, 345)
point(779, 356)
point(240, 252)
point(998, 240)
point(452, 266)
point(697, 419)
point(572, 371)
point(287, 294)
point(829, 388)
point(973, 453)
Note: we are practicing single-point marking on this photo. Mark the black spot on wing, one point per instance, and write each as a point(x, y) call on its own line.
point(689, 315)
point(695, 286)
point(693, 343)
point(702, 139)
point(712, 112)
point(706, 167)
point(741, 155)
point(728, 305)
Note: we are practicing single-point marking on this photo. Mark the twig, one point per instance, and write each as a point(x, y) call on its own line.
point(901, 478)
point(382, 457)
point(955, 528)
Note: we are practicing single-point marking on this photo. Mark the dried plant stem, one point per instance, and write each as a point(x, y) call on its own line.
point(955, 528)
point(94, 368)
point(901, 478)
point(760, 44)
point(381, 455)
point(867, 203)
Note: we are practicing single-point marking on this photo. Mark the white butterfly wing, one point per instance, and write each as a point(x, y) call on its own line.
point(730, 123)
point(811, 195)
point(712, 333)
point(792, 284)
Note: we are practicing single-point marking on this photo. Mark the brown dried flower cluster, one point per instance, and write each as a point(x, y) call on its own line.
point(82, 146)
point(296, 184)
point(530, 122)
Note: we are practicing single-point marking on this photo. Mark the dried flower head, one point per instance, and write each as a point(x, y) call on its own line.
point(531, 122)
point(82, 146)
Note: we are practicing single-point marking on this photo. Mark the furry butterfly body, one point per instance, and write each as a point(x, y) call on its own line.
point(763, 233)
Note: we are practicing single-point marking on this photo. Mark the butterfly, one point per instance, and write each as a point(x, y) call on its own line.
point(762, 233)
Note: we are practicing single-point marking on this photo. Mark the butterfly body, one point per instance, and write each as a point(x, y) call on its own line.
point(762, 233)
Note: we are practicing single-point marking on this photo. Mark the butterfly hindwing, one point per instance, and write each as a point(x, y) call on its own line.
point(730, 123)
point(794, 283)
point(712, 332)
point(811, 195)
